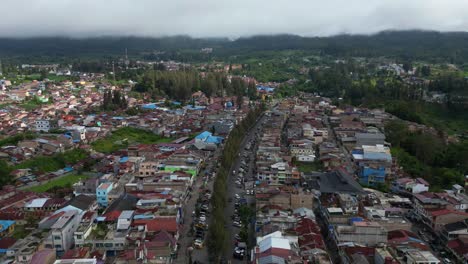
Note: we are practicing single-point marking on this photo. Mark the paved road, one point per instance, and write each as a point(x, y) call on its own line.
point(233, 189)
point(186, 238)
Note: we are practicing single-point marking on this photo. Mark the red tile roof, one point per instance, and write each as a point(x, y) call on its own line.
point(437, 213)
point(168, 224)
point(7, 242)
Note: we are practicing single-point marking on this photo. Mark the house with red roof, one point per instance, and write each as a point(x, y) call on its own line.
point(459, 247)
point(156, 225)
point(439, 218)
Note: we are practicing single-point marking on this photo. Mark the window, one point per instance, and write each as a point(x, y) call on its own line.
point(79, 237)
point(57, 238)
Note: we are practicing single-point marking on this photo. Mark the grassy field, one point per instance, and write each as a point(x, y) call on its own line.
point(309, 166)
point(53, 163)
point(122, 137)
point(60, 182)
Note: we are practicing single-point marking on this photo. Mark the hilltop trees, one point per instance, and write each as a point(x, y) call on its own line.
point(113, 100)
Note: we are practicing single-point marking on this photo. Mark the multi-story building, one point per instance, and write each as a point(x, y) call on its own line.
point(102, 193)
point(45, 125)
point(62, 231)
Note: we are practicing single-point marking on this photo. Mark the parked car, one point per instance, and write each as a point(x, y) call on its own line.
point(198, 243)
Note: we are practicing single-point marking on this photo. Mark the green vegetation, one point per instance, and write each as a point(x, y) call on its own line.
point(309, 166)
point(42, 164)
point(13, 140)
point(33, 103)
point(65, 181)
point(425, 155)
point(114, 100)
point(100, 231)
point(55, 162)
point(122, 137)
point(217, 241)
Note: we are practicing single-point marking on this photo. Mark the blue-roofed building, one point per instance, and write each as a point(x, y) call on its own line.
point(267, 89)
point(202, 136)
point(206, 140)
point(149, 106)
point(6, 228)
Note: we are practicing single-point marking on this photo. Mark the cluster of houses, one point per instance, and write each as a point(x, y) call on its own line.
point(131, 207)
point(353, 224)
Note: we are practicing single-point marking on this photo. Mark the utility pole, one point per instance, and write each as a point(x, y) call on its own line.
point(113, 71)
point(127, 62)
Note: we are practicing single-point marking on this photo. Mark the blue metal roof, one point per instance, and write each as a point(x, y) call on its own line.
point(203, 135)
point(214, 139)
point(5, 224)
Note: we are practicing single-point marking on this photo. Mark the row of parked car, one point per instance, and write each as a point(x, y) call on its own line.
point(201, 214)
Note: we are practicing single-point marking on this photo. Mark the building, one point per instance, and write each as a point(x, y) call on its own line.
point(421, 257)
point(45, 125)
point(374, 163)
point(408, 185)
point(364, 233)
point(6, 227)
point(76, 261)
point(62, 231)
point(302, 150)
point(369, 139)
point(125, 219)
point(207, 141)
point(102, 193)
point(44, 256)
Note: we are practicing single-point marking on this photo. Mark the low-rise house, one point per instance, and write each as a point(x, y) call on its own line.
point(454, 230)
point(408, 185)
point(364, 233)
point(302, 150)
point(421, 257)
point(44, 204)
point(44, 256)
point(274, 248)
point(24, 249)
point(7, 227)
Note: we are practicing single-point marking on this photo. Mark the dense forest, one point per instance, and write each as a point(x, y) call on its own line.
point(180, 85)
point(425, 155)
point(425, 45)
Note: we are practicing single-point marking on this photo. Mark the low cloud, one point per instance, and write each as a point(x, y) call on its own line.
point(218, 18)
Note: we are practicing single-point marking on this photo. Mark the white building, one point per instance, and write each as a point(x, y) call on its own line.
point(421, 257)
point(62, 231)
point(45, 125)
point(303, 150)
point(125, 220)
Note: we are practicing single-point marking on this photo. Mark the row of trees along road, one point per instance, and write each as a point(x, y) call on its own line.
point(218, 235)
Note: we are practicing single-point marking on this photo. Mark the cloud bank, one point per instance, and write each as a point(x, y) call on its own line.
point(226, 18)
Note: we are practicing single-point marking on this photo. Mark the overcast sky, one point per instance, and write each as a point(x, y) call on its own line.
point(231, 18)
